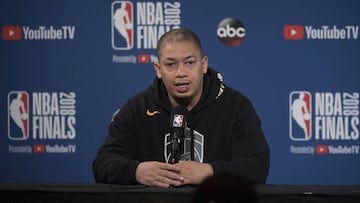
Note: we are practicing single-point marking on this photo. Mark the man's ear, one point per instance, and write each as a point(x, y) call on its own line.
point(157, 69)
point(205, 64)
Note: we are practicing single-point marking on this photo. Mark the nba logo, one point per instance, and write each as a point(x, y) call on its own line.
point(122, 26)
point(178, 120)
point(300, 115)
point(18, 115)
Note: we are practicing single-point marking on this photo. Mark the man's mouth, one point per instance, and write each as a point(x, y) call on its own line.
point(182, 87)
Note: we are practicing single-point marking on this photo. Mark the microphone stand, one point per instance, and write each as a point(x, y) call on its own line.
point(175, 148)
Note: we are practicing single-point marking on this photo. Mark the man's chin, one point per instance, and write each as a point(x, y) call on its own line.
point(183, 99)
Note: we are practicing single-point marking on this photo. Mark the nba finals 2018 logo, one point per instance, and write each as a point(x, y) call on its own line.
point(46, 118)
point(137, 26)
point(327, 121)
point(141, 24)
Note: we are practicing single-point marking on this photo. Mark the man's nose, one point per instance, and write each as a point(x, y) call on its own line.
point(181, 70)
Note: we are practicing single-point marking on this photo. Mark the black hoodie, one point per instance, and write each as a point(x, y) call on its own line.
point(227, 127)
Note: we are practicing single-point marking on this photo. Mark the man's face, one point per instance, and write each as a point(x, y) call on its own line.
point(181, 67)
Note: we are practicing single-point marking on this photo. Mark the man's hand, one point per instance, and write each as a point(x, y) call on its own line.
point(194, 172)
point(153, 173)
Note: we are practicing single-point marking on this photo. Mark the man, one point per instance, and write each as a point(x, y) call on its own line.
point(226, 125)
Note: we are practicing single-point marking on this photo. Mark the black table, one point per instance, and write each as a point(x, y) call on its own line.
point(83, 193)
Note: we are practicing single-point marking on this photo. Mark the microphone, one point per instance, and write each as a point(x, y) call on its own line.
point(178, 125)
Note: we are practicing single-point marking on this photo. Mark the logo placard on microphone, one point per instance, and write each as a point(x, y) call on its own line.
point(178, 120)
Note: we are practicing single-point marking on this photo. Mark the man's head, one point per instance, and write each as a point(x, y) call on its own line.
point(181, 66)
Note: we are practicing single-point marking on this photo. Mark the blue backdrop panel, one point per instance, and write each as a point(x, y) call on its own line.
point(67, 66)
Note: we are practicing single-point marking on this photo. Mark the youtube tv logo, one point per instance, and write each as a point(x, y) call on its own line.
point(322, 149)
point(11, 33)
point(293, 32)
point(39, 148)
point(143, 58)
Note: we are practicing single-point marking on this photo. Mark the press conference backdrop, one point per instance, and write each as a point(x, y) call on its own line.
point(68, 66)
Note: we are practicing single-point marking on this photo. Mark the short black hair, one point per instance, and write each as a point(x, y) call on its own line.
point(179, 35)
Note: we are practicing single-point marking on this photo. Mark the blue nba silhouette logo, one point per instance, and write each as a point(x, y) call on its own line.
point(300, 116)
point(18, 115)
point(122, 26)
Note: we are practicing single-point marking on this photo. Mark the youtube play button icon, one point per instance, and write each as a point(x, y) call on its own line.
point(293, 32)
point(11, 32)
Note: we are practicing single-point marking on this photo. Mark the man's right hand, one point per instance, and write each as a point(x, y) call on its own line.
point(154, 173)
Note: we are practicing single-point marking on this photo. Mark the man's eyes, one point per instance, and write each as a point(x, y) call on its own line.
point(172, 64)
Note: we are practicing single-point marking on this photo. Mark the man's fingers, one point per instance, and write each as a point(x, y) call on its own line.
point(170, 167)
point(159, 174)
point(160, 184)
point(171, 175)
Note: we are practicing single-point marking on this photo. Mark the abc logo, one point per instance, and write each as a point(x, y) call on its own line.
point(231, 32)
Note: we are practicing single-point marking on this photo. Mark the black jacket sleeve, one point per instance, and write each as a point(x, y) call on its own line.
point(250, 154)
point(115, 161)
